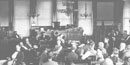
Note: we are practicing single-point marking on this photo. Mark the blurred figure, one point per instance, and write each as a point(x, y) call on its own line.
point(91, 51)
point(71, 56)
point(43, 56)
point(107, 61)
point(106, 42)
point(126, 56)
point(122, 50)
point(115, 53)
point(101, 52)
point(49, 59)
point(115, 56)
point(17, 56)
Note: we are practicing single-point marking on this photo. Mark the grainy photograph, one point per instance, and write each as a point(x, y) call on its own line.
point(64, 32)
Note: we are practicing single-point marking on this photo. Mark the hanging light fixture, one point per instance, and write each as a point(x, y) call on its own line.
point(85, 14)
point(33, 12)
point(69, 7)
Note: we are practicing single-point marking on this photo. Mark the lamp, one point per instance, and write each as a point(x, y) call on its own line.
point(69, 7)
point(33, 12)
point(85, 14)
point(34, 18)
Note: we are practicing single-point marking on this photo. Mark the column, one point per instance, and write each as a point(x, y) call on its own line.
point(54, 11)
point(11, 14)
point(94, 9)
point(75, 13)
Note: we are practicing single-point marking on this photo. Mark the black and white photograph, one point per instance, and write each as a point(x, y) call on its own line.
point(64, 32)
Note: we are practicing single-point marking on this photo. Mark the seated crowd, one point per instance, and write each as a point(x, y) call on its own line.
point(54, 49)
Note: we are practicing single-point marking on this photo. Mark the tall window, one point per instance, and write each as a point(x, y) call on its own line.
point(86, 22)
point(62, 17)
point(44, 9)
point(21, 17)
point(126, 17)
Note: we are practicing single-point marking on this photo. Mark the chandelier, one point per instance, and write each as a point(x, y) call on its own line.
point(33, 12)
point(69, 7)
point(85, 14)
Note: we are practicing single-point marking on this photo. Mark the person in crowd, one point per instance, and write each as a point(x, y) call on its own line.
point(115, 53)
point(30, 54)
point(49, 59)
point(46, 58)
point(61, 57)
point(126, 56)
point(17, 56)
point(127, 62)
point(41, 36)
point(112, 40)
point(16, 35)
point(33, 41)
point(106, 42)
point(125, 34)
point(127, 39)
point(58, 47)
point(71, 56)
point(54, 38)
point(43, 56)
point(57, 50)
point(122, 50)
point(107, 61)
point(101, 52)
point(12, 42)
point(80, 50)
point(91, 51)
point(4, 48)
point(33, 33)
point(61, 38)
point(115, 56)
point(83, 40)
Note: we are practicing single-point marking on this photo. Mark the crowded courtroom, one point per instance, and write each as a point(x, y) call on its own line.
point(64, 32)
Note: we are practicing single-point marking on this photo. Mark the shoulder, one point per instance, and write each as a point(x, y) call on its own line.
point(127, 54)
point(108, 61)
point(52, 63)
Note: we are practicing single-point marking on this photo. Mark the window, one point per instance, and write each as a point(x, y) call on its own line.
point(44, 9)
point(21, 17)
point(62, 17)
point(85, 22)
point(4, 13)
point(126, 17)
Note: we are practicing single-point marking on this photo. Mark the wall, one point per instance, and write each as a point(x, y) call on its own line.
point(105, 11)
point(4, 13)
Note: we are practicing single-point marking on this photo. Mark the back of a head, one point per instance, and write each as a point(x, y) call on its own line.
point(18, 47)
point(107, 61)
point(128, 47)
point(101, 45)
point(73, 46)
point(50, 54)
point(122, 46)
